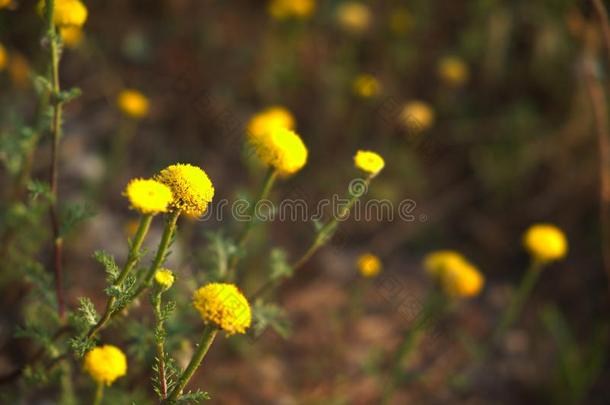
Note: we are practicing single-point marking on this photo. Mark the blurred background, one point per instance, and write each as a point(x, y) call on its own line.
point(480, 108)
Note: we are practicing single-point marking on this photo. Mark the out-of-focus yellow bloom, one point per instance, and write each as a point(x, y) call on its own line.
point(165, 278)
point(354, 17)
point(417, 116)
point(67, 12)
point(453, 71)
point(224, 306)
point(3, 57)
point(105, 364)
point(148, 196)
point(269, 119)
point(19, 70)
point(401, 21)
point(369, 162)
point(5, 3)
point(366, 86)
point(282, 149)
point(284, 9)
point(436, 262)
point(545, 242)
point(71, 36)
point(369, 265)
point(191, 188)
point(133, 103)
point(455, 275)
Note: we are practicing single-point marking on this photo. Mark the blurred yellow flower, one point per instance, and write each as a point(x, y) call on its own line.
point(369, 265)
point(148, 196)
point(191, 188)
point(436, 262)
point(354, 17)
point(453, 71)
point(366, 86)
point(133, 103)
point(105, 364)
point(165, 278)
point(267, 120)
point(71, 36)
point(401, 20)
point(284, 9)
point(456, 276)
point(282, 149)
point(3, 57)
point(67, 12)
point(369, 162)
point(5, 3)
point(19, 70)
point(417, 116)
point(545, 242)
point(224, 306)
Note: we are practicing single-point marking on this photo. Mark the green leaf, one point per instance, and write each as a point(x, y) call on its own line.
point(265, 315)
point(280, 268)
point(74, 215)
point(110, 265)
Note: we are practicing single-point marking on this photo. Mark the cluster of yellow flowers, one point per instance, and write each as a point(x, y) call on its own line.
point(369, 265)
point(545, 242)
point(285, 9)
point(454, 273)
point(133, 104)
point(105, 364)
point(223, 306)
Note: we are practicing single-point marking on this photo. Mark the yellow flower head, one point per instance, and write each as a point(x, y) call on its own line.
point(545, 242)
point(71, 36)
point(148, 196)
point(67, 12)
point(369, 265)
point(224, 306)
point(417, 116)
point(3, 57)
point(354, 17)
point(369, 162)
point(366, 86)
point(285, 9)
point(5, 3)
point(165, 278)
point(436, 262)
point(282, 149)
point(133, 103)
point(453, 71)
point(401, 21)
point(105, 364)
point(269, 119)
point(191, 188)
point(455, 275)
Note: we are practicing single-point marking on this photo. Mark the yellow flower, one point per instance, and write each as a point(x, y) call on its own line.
point(165, 278)
point(369, 162)
point(5, 3)
point(148, 196)
point(366, 86)
point(282, 149)
point(67, 12)
point(71, 36)
point(224, 306)
point(369, 265)
point(436, 262)
point(191, 188)
point(417, 116)
point(401, 21)
point(545, 242)
point(284, 9)
point(105, 364)
point(354, 17)
point(267, 120)
point(453, 71)
point(456, 276)
point(3, 57)
point(133, 103)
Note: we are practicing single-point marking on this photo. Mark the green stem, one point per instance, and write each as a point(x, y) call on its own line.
point(99, 394)
point(159, 340)
point(209, 334)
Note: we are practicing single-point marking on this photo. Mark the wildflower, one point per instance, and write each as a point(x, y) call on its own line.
point(369, 265)
point(401, 20)
point(369, 162)
point(105, 364)
point(453, 71)
point(354, 17)
point(366, 86)
point(165, 278)
point(71, 36)
point(133, 103)
point(545, 242)
point(285, 9)
point(265, 121)
point(282, 149)
point(148, 196)
point(463, 280)
point(224, 306)
point(417, 115)
point(191, 188)
point(3, 57)
point(5, 3)
point(436, 262)
point(67, 12)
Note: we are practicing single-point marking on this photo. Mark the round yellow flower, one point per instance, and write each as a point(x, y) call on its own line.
point(133, 103)
point(71, 36)
point(282, 149)
point(3, 57)
point(462, 281)
point(191, 188)
point(545, 242)
point(269, 119)
point(369, 162)
point(453, 71)
point(105, 364)
point(436, 262)
point(369, 265)
point(224, 306)
point(354, 17)
point(67, 12)
point(165, 278)
point(285, 9)
point(366, 86)
point(417, 116)
point(148, 196)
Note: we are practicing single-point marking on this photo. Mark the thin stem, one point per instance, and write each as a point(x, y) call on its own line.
point(99, 394)
point(160, 341)
point(209, 334)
